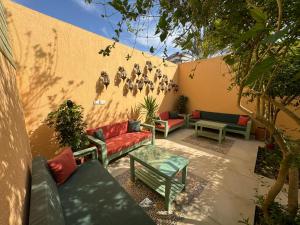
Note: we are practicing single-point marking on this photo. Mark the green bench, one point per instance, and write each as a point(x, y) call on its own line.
point(231, 121)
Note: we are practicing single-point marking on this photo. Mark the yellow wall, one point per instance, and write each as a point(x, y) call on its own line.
point(208, 91)
point(58, 61)
point(15, 157)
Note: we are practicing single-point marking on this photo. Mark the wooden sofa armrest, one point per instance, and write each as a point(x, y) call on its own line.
point(165, 122)
point(166, 127)
point(92, 150)
point(185, 117)
point(248, 129)
point(152, 129)
point(101, 147)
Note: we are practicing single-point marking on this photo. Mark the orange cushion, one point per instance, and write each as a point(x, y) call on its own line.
point(164, 116)
point(62, 166)
point(118, 143)
point(171, 123)
point(243, 120)
point(196, 114)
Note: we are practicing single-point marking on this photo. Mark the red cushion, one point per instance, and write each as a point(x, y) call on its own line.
point(111, 130)
point(164, 116)
point(243, 120)
point(118, 143)
point(62, 166)
point(196, 114)
point(171, 123)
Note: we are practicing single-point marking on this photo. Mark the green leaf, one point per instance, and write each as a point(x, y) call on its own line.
point(152, 49)
point(260, 69)
point(272, 38)
point(256, 29)
point(257, 13)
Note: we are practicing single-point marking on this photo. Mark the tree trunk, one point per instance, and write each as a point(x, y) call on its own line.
point(277, 186)
point(293, 191)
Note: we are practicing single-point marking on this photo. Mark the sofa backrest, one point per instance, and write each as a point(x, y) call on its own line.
point(111, 130)
point(219, 117)
point(45, 205)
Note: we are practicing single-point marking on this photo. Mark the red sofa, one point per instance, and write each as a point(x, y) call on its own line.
point(118, 141)
point(166, 123)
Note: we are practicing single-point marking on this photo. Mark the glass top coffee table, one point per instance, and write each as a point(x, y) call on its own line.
point(158, 171)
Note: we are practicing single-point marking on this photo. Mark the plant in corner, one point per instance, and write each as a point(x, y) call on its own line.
point(181, 104)
point(149, 109)
point(68, 124)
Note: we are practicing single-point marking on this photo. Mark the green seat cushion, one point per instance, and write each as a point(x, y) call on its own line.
point(91, 196)
point(45, 204)
point(236, 127)
point(99, 134)
point(219, 117)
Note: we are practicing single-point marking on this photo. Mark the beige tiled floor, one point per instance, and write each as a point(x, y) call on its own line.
point(229, 194)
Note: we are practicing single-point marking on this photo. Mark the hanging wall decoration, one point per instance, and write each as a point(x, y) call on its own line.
point(122, 73)
point(137, 69)
point(165, 79)
point(158, 73)
point(176, 88)
point(151, 85)
point(149, 65)
point(169, 87)
point(140, 85)
point(129, 84)
point(105, 79)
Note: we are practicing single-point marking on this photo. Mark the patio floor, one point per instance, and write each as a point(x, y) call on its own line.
point(229, 194)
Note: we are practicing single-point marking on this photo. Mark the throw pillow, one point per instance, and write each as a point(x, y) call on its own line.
point(62, 166)
point(196, 114)
point(243, 120)
point(164, 116)
point(174, 115)
point(134, 126)
point(99, 134)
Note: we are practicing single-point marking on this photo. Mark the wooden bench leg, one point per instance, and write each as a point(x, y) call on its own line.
point(167, 195)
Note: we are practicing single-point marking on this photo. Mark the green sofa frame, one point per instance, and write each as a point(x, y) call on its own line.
point(166, 128)
point(246, 133)
point(105, 159)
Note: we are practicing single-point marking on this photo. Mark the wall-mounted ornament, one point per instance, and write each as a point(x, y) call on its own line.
point(151, 86)
point(176, 88)
point(165, 79)
point(122, 73)
point(129, 84)
point(161, 86)
point(146, 80)
point(149, 66)
point(136, 69)
point(169, 87)
point(140, 85)
point(158, 73)
point(105, 79)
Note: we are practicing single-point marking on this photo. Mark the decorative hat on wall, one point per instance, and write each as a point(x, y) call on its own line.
point(136, 69)
point(151, 86)
point(149, 65)
point(129, 84)
point(140, 84)
point(158, 73)
point(122, 73)
point(105, 79)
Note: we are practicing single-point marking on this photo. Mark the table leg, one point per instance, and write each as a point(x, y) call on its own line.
point(220, 136)
point(167, 195)
point(184, 175)
point(196, 130)
point(132, 169)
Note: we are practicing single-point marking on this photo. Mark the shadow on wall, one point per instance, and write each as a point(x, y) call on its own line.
point(35, 81)
point(15, 157)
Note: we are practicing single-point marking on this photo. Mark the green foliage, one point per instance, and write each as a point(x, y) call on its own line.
point(149, 108)
point(181, 104)
point(278, 214)
point(68, 124)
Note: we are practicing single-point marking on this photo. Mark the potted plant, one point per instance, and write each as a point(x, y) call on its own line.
point(181, 104)
point(69, 126)
point(149, 109)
